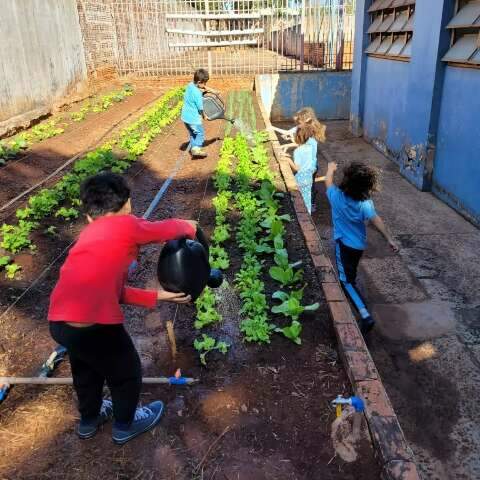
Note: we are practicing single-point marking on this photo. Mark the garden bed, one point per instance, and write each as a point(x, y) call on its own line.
point(260, 411)
point(60, 138)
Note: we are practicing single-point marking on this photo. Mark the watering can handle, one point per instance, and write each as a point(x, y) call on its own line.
point(202, 239)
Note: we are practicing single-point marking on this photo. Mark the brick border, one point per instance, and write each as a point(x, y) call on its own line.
point(390, 444)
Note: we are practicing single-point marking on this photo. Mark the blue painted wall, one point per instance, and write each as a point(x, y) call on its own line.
point(423, 114)
point(385, 104)
point(400, 99)
point(328, 93)
point(456, 174)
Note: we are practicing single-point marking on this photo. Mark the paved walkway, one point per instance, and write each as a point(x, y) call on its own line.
point(426, 301)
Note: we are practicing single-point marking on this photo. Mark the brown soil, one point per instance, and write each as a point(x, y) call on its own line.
point(45, 157)
point(260, 412)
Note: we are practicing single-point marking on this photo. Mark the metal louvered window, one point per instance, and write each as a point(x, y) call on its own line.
point(391, 28)
point(465, 27)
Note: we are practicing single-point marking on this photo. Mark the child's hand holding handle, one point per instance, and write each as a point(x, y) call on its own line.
point(164, 296)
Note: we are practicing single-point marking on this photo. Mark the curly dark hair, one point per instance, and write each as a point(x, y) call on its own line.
point(360, 181)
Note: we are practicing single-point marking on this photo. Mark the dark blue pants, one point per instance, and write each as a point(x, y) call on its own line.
point(347, 263)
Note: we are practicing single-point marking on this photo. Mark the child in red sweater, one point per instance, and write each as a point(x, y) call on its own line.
point(85, 314)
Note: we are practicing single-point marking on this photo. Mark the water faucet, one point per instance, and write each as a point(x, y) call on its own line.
point(356, 402)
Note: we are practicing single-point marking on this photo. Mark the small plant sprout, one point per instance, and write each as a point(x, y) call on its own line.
point(4, 261)
point(67, 213)
point(292, 331)
point(206, 309)
point(291, 306)
point(11, 270)
point(52, 231)
point(207, 344)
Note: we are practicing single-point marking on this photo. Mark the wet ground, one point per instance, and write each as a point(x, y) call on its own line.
point(426, 301)
point(260, 412)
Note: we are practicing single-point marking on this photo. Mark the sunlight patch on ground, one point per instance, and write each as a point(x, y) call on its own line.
point(423, 352)
point(222, 408)
point(33, 425)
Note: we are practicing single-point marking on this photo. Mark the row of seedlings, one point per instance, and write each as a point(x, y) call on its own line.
point(103, 103)
point(10, 149)
point(261, 231)
point(255, 323)
point(63, 199)
point(206, 304)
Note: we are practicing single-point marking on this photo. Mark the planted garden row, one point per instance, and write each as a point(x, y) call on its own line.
point(62, 200)
point(103, 103)
point(249, 190)
point(21, 142)
point(207, 313)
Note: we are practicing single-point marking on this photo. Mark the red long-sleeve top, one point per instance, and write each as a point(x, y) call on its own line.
point(92, 279)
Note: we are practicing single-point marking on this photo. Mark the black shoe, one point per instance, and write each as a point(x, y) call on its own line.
point(87, 429)
point(145, 419)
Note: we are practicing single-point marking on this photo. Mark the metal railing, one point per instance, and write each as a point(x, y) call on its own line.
point(149, 38)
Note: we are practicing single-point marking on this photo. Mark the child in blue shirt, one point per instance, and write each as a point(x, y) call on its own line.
point(192, 111)
point(304, 163)
point(352, 208)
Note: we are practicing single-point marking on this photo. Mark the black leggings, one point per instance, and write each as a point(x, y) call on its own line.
point(97, 354)
point(347, 263)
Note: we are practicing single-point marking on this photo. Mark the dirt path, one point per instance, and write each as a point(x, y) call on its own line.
point(45, 157)
point(261, 412)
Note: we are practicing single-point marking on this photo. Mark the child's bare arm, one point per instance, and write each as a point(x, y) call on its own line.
point(331, 169)
point(288, 146)
point(291, 163)
point(280, 130)
point(149, 298)
point(378, 223)
point(209, 90)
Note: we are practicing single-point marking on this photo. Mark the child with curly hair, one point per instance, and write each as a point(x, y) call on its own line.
point(352, 207)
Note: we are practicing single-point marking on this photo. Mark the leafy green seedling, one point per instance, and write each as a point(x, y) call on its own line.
point(206, 311)
point(286, 275)
point(208, 344)
point(5, 260)
point(52, 231)
point(261, 137)
point(11, 270)
point(220, 234)
point(67, 213)
point(17, 237)
point(291, 306)
point(292, 331)
point(219, 258)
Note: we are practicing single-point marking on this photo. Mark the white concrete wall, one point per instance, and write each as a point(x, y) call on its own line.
point(41, 57)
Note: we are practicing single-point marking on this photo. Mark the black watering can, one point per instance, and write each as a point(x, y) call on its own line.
point(214, 108)
point(183, 266)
